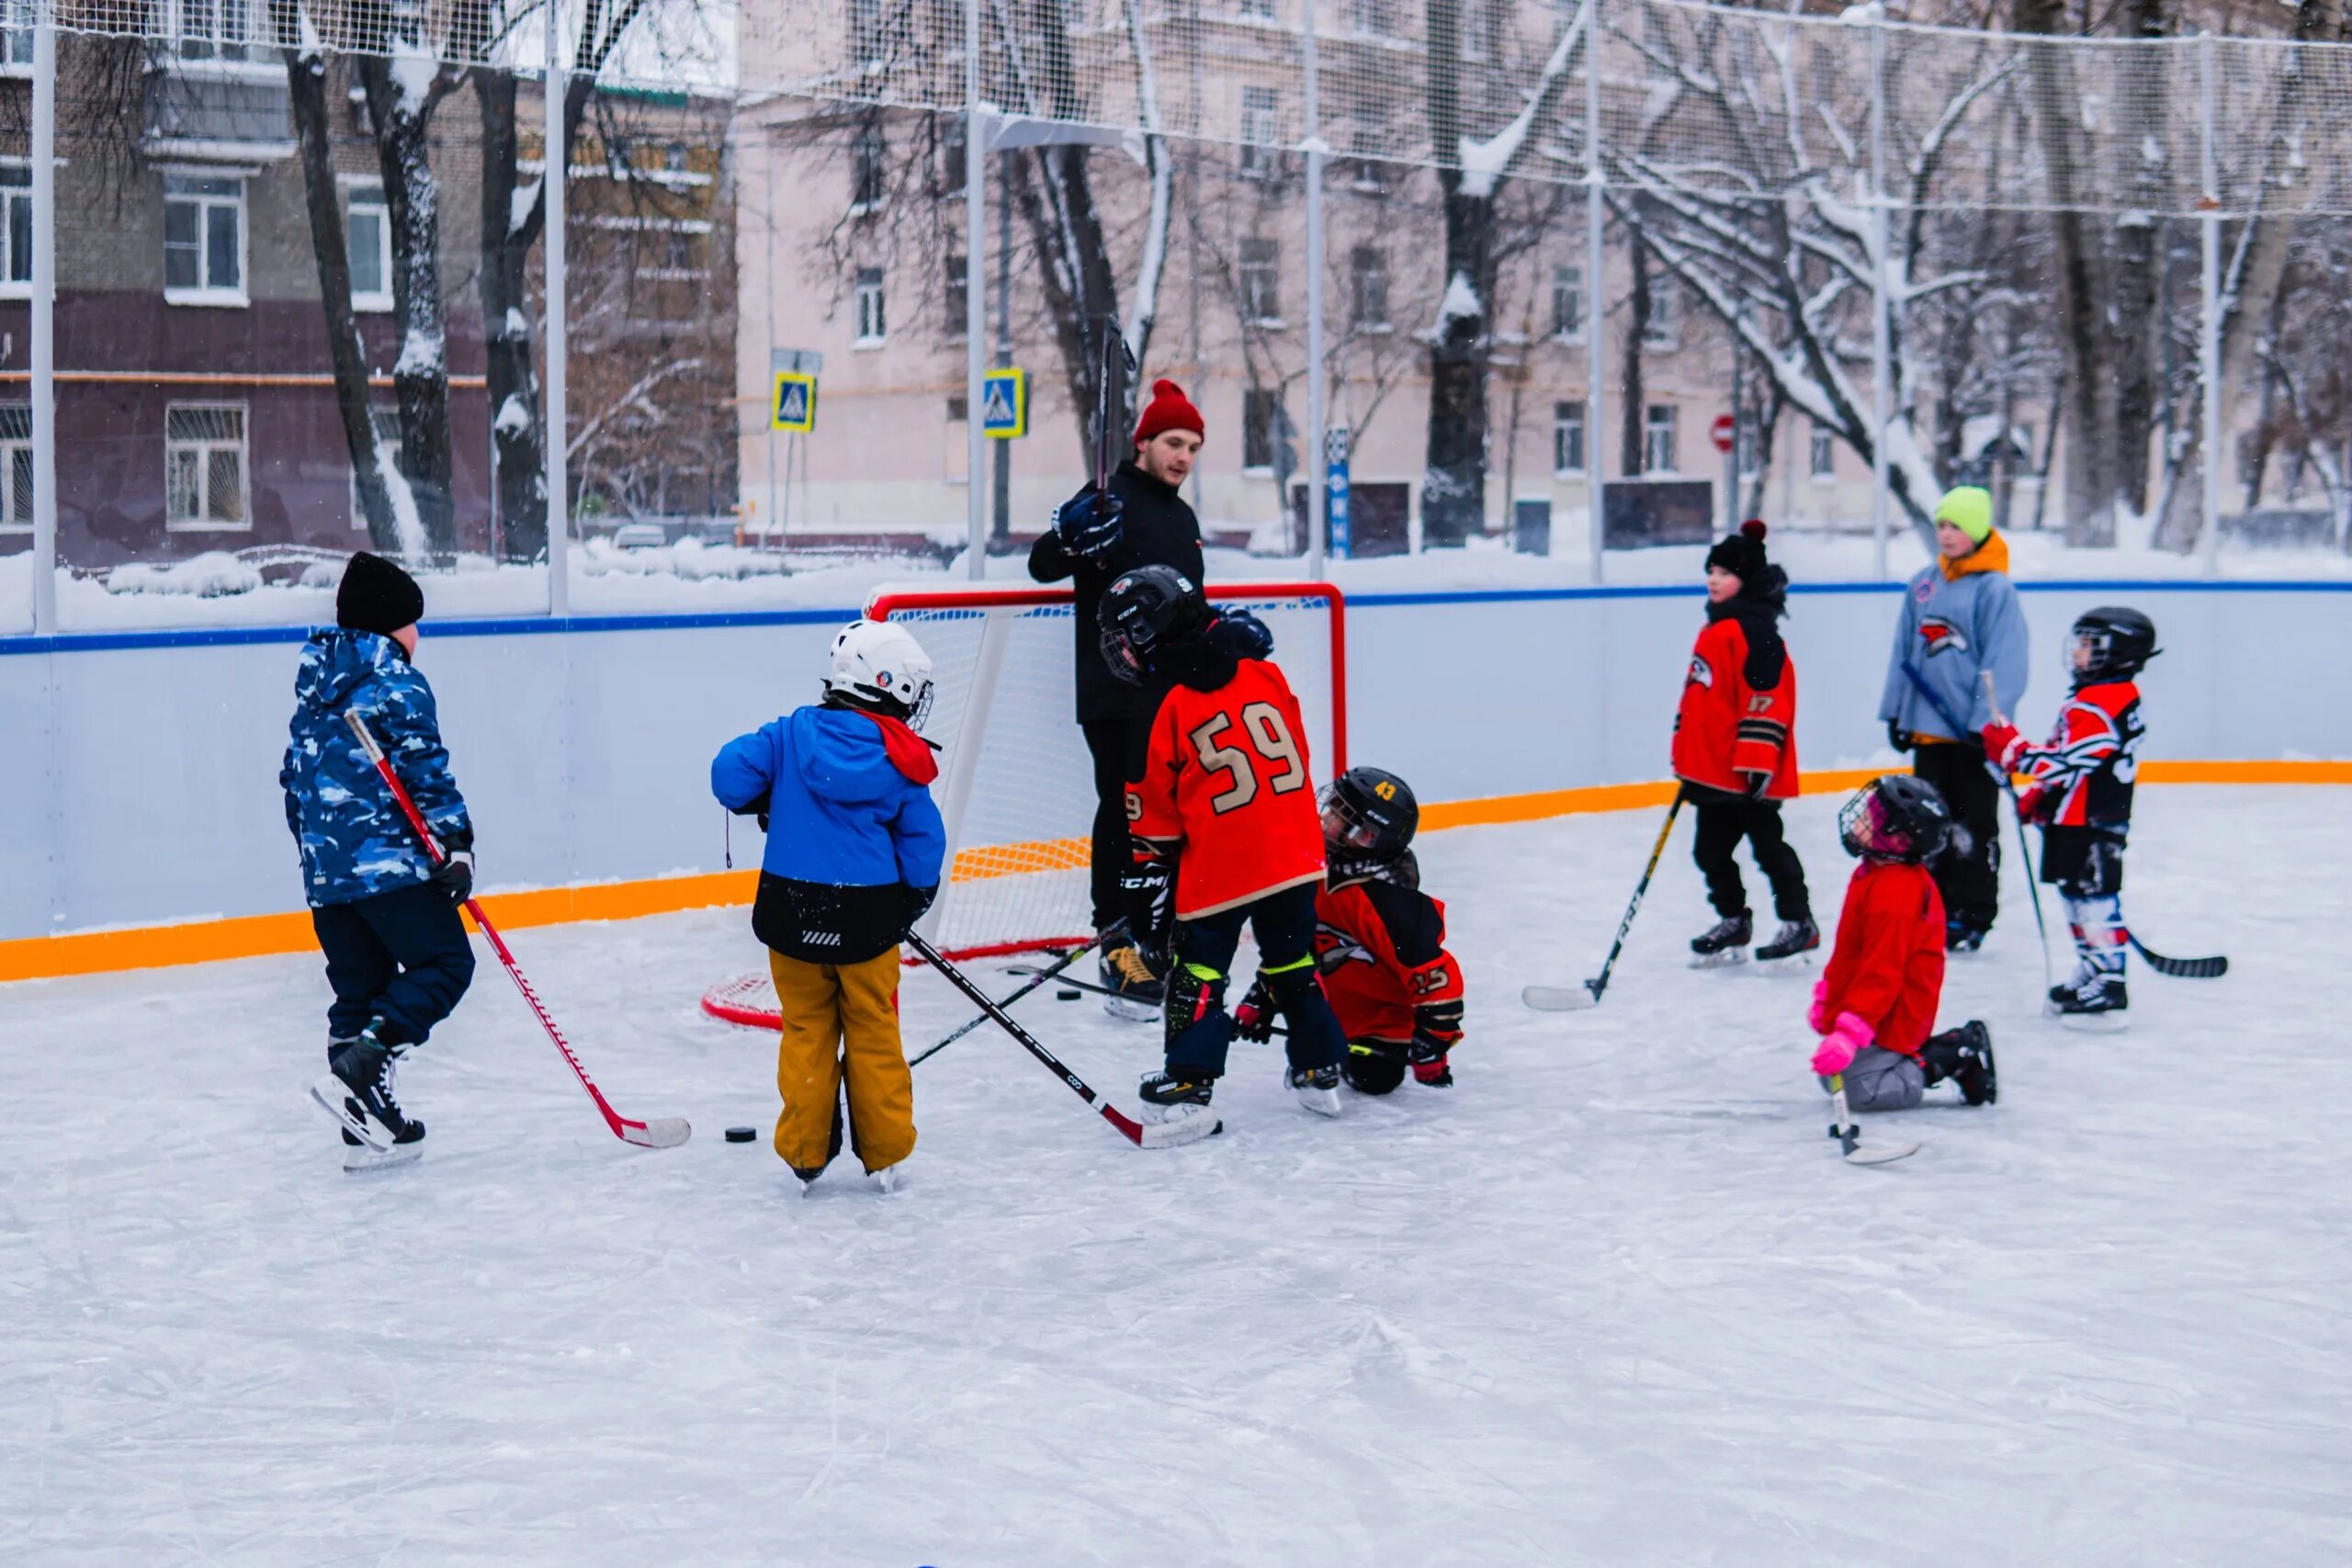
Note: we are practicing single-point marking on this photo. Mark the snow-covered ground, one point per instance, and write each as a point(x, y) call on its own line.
point(1612, 1300)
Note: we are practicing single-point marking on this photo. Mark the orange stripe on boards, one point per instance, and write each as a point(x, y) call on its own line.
point(257, 936)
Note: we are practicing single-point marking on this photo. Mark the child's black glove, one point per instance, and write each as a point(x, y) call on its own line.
point(914, 901)
point(1897, 737)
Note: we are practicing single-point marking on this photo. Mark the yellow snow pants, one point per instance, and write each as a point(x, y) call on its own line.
point(841, 1020)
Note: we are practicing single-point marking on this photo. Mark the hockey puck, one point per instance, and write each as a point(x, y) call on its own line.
point(742, 1135)
point(1066, 995)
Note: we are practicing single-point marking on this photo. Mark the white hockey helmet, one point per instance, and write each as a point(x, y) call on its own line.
point(881, 668)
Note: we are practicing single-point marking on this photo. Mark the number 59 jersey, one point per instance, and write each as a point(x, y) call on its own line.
point(1225, 793)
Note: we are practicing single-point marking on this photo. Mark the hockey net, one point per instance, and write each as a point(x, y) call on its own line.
point(1016, 785)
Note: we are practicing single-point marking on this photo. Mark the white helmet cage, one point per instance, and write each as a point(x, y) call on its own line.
point(880, 666)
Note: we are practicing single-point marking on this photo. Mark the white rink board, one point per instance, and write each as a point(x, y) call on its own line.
point(1612, 1300)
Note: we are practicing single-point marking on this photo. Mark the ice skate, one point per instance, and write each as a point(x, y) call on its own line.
point(1171, 1097)
point(888, 1179)
point(1965, 1056)
point(1791, 948)
point(2099, 1003)
point(1136, 993)
point(1724, 943)
point(1964, 936)
point(1317, 1088)
point(360, 1081)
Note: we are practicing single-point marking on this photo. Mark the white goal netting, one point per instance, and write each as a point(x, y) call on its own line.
point(1016, 782)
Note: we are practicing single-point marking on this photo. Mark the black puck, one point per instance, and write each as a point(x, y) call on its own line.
point(1067, 995)
point(742, 1135)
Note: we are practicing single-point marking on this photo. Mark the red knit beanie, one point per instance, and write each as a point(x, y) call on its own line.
point(1170, 409)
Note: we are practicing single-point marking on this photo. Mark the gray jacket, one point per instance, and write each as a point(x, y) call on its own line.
point(1949, 631)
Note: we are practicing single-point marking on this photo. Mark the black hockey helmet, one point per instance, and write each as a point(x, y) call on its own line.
point(2109, 643)
point(1369, 818)
point(1894, 816)
point(1145, 611)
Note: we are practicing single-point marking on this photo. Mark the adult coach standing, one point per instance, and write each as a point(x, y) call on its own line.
point(1960, 619)
point(1139, 519)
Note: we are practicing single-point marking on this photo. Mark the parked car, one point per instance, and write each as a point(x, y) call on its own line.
point(639, 536)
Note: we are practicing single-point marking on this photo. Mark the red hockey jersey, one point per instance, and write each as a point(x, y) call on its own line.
point(1727, 730)
point(1380, 948)
point(2086, 769)
point(1887, 967)
point(1225, 793)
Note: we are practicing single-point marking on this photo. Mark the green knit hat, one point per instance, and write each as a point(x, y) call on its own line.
point(1968, 509)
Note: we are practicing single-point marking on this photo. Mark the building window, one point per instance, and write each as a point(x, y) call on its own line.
point(1369, 171)
point(868, 29)
point(1261, 127)
point(1567, 303)
point(17, 454)
point(1567, 437)
point(212, 30)
point(1261, 427)
point(960, 295)
point(16, 34)
point(872, 326)
point(1657, 440)
point(1665, 327)
point(1261, 294)
point(1264, 9)
point(959, 410)
point(204, 467)
point(1368, 288)
point(16, 231)
point(204, 240)
point(866, 163)
point(1821, 457)
point(368, 238)
point(954, 142)
point(384, 425)
point(1374, 18)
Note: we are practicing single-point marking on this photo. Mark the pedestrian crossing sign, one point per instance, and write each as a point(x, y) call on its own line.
point(795, 406)
point(1004, 405)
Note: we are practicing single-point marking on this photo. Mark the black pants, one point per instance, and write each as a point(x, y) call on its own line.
point(1116, 745)
point(1724, 821)
point(1970, 880)
point(401, 956)
point(1284, 923)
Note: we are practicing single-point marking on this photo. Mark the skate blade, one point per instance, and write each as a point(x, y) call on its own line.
point(1881, 1153)
point(1559, 999)
point(328, 1094)
point(1723, 959)
point(1168, 1115)
point(1322, 1101)
point(2091, 1022)
point(362, 1159)
point(1128, 1009)
point(1795, 964)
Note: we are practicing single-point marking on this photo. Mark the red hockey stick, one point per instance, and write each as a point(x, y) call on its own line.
point(663, 1132)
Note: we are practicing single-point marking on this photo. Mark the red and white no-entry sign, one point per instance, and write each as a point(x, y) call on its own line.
point(1721, 432)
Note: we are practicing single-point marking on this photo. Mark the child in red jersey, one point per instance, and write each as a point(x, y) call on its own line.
point(2082, 794)
point(1875, 1004)
point(1736, 751)
point(1227, 834)
point(1379, 943)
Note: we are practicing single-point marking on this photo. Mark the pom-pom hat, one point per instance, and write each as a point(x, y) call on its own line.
point(1168, 409)
point(1742, 554)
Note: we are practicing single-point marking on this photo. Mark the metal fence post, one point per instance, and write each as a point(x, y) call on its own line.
point(2208, 345)
point(1881, 308)
point(555, 169)
point(1596, 312)
point(44, 320)
point(975, 298)
point(1318, 512)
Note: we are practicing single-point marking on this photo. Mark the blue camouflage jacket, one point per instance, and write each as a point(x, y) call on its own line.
point(354, 839)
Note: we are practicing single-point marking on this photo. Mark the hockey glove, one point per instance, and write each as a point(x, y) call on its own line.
point(1427, 1059)
point(1897, 737)
point(2033, 804)
point(1149, 888)
point(1757, 784)
point(1254, 1019)
point(1837, 1051)
point(455, 874)
point(1815, 1018)
point(1090, 524)
point(2002, 744)
point(1243, 634)
point(914, 901)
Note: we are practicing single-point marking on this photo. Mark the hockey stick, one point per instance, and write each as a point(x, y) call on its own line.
point(1849, 1132)
point(1038, 977)
point(1100, 990)
point(663, 1132)
point(1155, 1135)
point(1110, 396)
point(1560, 998)
point(2212, 969)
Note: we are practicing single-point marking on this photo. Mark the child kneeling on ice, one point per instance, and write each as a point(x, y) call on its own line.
point(1875, 1003)
point(853, 859)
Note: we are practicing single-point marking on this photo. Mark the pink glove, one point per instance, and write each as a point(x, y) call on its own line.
point(1814, 1019)
point(1837, 1052)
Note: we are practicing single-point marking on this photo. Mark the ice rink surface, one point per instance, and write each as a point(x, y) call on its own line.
point(1612, 1300)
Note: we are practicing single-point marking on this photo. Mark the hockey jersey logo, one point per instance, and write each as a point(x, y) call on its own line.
point(1335, 948)
point(1941, 635)
point(1702, 673)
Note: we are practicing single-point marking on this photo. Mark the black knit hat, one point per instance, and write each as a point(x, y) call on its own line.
point(377, 596)
point(1742, 554)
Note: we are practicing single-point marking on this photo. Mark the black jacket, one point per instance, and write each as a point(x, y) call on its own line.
point(1156, 529)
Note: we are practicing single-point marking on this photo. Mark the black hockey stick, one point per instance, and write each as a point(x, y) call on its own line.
point(1110, 396)
point(1040, 977)
point(2212, 969)
point(1152, 1135)
point(1045, 974)
point(1559, 999)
